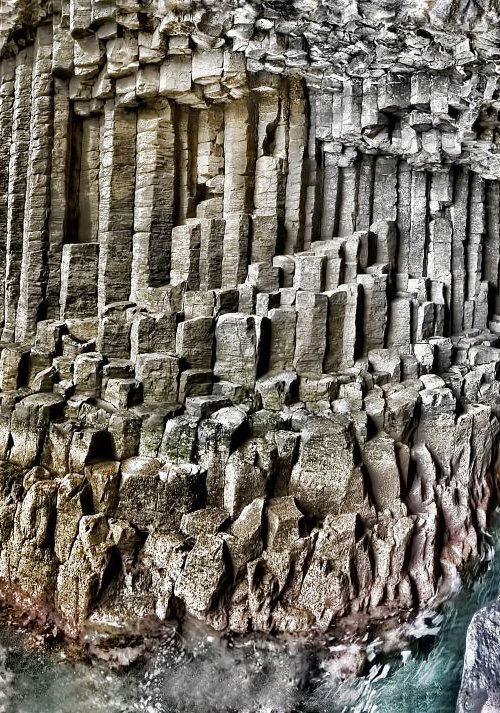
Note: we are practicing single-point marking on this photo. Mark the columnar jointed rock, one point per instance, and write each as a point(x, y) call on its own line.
point(249, 300)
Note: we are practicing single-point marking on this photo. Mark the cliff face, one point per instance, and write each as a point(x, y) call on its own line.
point(249, 291)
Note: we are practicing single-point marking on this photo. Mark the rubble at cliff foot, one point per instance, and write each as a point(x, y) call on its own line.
point(282, 518)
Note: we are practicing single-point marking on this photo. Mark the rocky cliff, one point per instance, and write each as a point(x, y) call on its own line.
point(249, 262)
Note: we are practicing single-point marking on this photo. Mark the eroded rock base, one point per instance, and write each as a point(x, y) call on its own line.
point(282, 518)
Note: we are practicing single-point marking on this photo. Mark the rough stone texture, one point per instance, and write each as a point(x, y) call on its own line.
point(480, 689)
point(249, 300)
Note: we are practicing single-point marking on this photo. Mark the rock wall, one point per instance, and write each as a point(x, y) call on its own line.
point(249, 260)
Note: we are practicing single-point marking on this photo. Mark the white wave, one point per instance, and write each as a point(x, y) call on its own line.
point(6, 684)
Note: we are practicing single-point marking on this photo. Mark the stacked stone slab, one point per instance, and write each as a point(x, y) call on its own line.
point(249, 302)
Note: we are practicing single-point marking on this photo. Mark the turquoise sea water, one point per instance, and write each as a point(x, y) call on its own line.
point(204, 675)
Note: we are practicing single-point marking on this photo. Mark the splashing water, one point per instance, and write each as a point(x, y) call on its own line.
point(205, 675)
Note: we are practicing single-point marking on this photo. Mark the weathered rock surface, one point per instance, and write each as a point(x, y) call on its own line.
point(249, 269)
point(480, 689)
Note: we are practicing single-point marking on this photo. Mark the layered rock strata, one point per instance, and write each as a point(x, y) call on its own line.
point(249, 261)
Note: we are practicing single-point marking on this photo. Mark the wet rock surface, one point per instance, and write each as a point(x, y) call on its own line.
point(480, 689)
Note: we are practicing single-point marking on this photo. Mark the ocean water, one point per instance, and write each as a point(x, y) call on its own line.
point(201, 674)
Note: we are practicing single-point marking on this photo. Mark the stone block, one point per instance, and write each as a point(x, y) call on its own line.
point(226, 300)
point(277, 390)
point(87, 374)
point(121, 393)
point(380, 459)
point(203, 574)
point(216, 440)
point(194, 342)
point(179, 438)
point(195, 382)
point(152, 333)
point(240, 348)
point(284, 523)
point(104, 480)
point(247, 298)
point(124, 431)
point(14, 363)
point(264, 237)
point(207, 521)
point(263, 276)
point(321, 479)
point(186, 244)
point(266, 301)
point(159, 375)
point(198, 304)
point(310, 272)
point(29, 424)
point(205, 406)
point(310, 342)
point(114, 330)
point(175, 76)
point(247, 473)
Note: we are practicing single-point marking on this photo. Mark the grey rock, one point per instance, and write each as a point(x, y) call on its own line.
point(321, 477)
point(480, 687)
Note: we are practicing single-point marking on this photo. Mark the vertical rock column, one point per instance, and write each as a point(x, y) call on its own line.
point(238, 160)
point(35, 234)
point(385, 196)
point(210, 161)
point(331, 191)
point(374, 310)
point(404, 217)
point(439, 258)
point(347, 205)
point(492, 241)
point(297, 142)
point(186, 244)
point(154, 199)
point(18, 166)
point(459, 220)
point(58, 194)
point(365, 192)
point(270, 176)
point(116, 210)
point(7, 69)
point(310, 173)
point(88, 199)
point(80, 16)
point(418, 224)
point(474, 251)
point(78, 291)
point(186, 139)
point(211, 244)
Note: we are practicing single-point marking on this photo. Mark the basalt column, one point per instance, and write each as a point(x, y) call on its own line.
point(154, 206)
point(116, 203)
point(18, 167)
